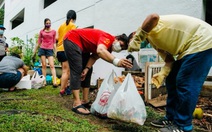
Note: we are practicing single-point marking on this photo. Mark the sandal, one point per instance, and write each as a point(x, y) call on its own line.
point(87, 105)
point(55, 85)
point(75, 109)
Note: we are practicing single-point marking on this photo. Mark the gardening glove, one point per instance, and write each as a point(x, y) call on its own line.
point(158, 78)
point(138, 37)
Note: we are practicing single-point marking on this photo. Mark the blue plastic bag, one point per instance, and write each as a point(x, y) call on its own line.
point(38, 70)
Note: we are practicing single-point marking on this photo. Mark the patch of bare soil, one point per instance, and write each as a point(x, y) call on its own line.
point(204, 124)
point(107, 125)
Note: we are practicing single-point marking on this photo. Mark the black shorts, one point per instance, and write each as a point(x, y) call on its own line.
point(61, 56)
point(45, 52)
point(77, 62)
point(87, 81)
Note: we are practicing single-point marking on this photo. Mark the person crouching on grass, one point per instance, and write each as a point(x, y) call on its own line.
point(12, 69)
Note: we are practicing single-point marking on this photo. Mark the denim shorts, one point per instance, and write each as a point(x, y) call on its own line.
point(61, 56)
point(45, 52)
point(9, 80)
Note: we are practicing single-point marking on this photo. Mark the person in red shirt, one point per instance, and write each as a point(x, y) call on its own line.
point(83, 47)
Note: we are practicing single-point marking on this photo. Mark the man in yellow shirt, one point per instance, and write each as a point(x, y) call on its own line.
point(63, 29)
point(190, 39)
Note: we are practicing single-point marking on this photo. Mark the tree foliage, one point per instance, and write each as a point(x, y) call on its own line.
point(1, 16)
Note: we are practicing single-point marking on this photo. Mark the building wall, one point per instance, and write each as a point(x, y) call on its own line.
point(115, 17)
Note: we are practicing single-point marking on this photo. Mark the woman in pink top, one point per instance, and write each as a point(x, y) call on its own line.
point(47, 42)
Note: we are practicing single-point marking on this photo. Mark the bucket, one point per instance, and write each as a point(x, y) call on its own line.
point(48, 80)
point(147, 55)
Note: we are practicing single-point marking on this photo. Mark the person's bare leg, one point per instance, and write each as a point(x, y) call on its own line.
point(53, 71)
point(85, 93)
point(65, 76)
point(43, 62)
point(77, 101)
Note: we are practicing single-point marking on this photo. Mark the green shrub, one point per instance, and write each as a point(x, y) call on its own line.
point(27, 49)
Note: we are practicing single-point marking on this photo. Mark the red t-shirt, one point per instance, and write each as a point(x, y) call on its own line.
point(88, 39)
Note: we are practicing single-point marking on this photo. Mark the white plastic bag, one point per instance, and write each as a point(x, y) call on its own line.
point(104, 96)
point(24, 83)
point(37, 80)
point(127, 105)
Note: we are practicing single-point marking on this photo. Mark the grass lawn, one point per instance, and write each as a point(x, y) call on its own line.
point(43, 110)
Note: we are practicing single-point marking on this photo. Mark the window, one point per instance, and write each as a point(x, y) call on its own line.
point(48, 2)
point(90, 27)
point(18, 19)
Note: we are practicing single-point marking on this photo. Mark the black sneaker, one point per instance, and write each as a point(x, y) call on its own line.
point(173, 128)
point(68, 90)
point(161, 122)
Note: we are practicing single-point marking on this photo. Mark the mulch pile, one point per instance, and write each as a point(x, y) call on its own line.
point(206, 122)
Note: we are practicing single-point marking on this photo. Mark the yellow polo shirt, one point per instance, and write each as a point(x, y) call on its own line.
point(63, 29)
point(181, 35)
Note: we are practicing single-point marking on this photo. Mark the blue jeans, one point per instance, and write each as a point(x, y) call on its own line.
point(184, 84)
point(9, 80)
